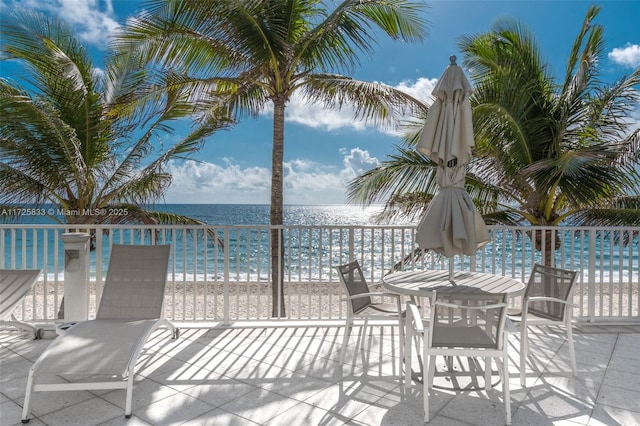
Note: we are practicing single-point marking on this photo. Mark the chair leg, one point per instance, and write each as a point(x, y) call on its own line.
point(572, 352)
point(345, 340)
point(26, 406)
point(401, 338)
point(364, 332)
point(408, 357)
point(432, 370)
point(427, 364)
point(504, 366)
point(487, 373)
point(129, 396)
point(523, 354)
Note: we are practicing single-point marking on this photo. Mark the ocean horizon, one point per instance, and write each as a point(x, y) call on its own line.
point(293, 214)
point(233, 214)
point(329, 215)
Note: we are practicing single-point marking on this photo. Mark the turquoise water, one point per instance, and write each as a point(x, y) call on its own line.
point(258, 214)
point(31, 244)
point(315, 251)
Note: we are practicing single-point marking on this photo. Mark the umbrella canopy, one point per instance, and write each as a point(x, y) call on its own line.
point(451, 225)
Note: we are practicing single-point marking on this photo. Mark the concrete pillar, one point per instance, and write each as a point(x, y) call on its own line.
point(76, 276)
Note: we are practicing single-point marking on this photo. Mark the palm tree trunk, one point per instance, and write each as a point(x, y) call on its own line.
point(276, 214)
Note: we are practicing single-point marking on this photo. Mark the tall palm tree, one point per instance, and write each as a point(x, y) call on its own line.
point(66, 139)
point(248, 54)
point(546, 153)
point(71, 137)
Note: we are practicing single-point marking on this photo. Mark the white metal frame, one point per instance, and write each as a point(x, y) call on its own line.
point(131, 302)
point(525, 319)
point(34, 386)
point(14, 286)
point(366, 313)
point(416, 330)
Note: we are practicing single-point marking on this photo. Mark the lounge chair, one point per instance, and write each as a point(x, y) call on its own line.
point(102, 353)
point(14, 286)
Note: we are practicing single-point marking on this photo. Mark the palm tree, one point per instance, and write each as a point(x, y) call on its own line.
point(546, 153)
point(67, 140)
point(249, 54)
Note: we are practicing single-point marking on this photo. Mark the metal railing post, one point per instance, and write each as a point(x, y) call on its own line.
point(226, 316)
point(351, 244)
point(591, 307)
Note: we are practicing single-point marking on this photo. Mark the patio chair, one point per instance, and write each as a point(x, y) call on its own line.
point(102, 353)
point(360, 305)
point(464, 325)
point(14, 286)
point(546, 301)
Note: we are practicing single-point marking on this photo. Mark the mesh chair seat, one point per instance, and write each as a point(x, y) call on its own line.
point(472, 336)
point(379, 309)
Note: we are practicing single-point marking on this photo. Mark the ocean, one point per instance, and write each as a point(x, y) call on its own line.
point(509, 251)
point(258, 214)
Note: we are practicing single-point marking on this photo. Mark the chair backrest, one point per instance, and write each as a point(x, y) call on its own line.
point(353, 281)
point(135, 282)
point(14, 286)
point(468, 320)
point(547, 281)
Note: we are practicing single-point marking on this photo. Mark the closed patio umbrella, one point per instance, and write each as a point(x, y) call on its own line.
point(451, 224)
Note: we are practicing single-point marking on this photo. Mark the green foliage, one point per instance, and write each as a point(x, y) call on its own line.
point(80, 139)
point(546, 153)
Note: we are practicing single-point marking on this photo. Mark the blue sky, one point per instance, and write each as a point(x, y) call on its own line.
point(324, 150)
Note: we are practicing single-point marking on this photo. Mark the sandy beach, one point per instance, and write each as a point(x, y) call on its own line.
point(204, 301)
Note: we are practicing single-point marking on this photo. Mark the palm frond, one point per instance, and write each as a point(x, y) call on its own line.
point(373, 102)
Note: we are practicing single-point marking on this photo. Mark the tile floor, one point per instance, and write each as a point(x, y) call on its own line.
point(290, 376)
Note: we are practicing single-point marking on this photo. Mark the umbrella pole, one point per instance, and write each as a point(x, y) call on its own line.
point(451, 270)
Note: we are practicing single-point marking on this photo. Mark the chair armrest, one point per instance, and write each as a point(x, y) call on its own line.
point(395, 296)
point(413, 313)
point(471, 307)
point(525, 307)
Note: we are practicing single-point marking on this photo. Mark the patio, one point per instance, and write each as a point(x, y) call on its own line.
point(289, 375)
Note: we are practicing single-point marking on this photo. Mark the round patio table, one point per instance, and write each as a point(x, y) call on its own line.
point(425, 283)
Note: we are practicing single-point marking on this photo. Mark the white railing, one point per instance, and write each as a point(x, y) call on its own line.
point(222, 273)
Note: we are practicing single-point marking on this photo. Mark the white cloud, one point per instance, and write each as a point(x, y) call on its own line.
point(93, 20)
point(419, 89)
point(202, 182)
point(306, 182)
point(629, 55)
point(318, 117)
point(356, 161)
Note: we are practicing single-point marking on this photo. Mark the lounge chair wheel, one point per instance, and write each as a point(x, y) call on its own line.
point(176, 333)
point(127, 416)
point(25, 420)
point(38, 334)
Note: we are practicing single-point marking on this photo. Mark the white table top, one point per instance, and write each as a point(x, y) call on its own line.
point(424, 282)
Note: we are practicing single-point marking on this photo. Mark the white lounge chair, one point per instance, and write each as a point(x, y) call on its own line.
point(102, 353)
point(14, 286)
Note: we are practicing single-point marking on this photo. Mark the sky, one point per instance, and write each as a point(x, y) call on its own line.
point(325, 150)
